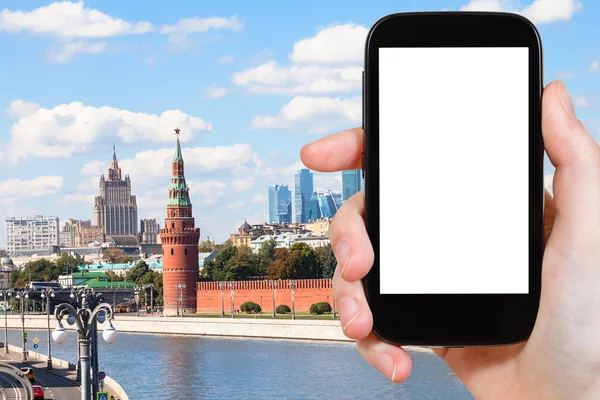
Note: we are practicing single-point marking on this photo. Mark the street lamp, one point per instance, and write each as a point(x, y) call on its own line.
point(151, 287)
point(4, 294)
point(232, 285)
point(47, 294)
point(136, 290)
point(222, 286)
point(86, 320)
point(273, 284)
point(332, 299)
point(22, 295)
point(178, 299)
point(292, 284)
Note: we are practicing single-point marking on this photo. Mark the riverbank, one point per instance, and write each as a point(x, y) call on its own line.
point(279, 329)
point(322, 330)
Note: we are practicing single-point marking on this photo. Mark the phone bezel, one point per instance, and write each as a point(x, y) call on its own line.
point(462, 319)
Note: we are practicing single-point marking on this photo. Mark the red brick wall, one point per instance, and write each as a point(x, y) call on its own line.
point(308, 291)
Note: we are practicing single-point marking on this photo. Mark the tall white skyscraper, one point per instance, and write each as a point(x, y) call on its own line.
point(31, 233)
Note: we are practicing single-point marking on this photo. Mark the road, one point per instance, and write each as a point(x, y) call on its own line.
point(57, 388)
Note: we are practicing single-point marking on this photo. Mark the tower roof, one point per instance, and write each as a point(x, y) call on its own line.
point(179, 193)
point(178, 155)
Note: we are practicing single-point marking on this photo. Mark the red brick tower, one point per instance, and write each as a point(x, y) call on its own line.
point(179, 240)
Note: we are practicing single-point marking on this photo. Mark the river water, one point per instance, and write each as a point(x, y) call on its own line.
point(186, 367)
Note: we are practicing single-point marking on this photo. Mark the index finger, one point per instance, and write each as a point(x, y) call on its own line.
point(341, 151)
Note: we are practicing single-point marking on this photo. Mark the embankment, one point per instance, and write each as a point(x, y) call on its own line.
point(230, 327)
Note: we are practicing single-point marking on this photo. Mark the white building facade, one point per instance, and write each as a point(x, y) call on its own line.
point(31, 233)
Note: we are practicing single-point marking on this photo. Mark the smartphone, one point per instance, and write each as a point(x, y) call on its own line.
point(453, 172)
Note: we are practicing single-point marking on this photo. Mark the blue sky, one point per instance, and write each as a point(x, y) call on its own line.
point(247, 83)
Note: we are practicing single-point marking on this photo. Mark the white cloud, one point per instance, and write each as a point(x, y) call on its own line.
point(202, 194)
point(243, 184)
point(69, 20)
point(594, 66)
point(335, 44)
point(539, 11)
point(214, 91)
point(315, 114)
point(94, 168)
point(36, 187)
point(184, 27)
point(69, 50)
point(236, 204)
point(20, 108)
point(259, 198)
point(86, 198)
point(483, 5)
point(330, 181)
point(272, 78)
point(226, 59)
point(582, 102)
point(207, 193)
point(73, 128)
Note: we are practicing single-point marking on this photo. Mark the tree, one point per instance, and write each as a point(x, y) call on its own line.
point(114, 277)
point(299, 262)
point(267, 249)
point(224, 245)
point(66, 263)
point(138, 271)
point(233, 263)
point(327, 261)
point(206, 246)
point(112, 255)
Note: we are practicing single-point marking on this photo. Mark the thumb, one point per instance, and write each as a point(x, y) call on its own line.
point(576, 156)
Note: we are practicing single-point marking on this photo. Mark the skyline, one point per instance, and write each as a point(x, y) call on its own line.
point(245, 100)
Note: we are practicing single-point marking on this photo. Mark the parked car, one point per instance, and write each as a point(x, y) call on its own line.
point(38, 392)
point(30, 374)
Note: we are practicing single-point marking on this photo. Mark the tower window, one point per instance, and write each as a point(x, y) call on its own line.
point(172, 225)
point(185, 251)
point(184, 225)
point(172, 251)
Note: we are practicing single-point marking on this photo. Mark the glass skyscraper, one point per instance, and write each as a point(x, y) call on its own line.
point(280, 204)
point(321, 205)
point(351, 183)
point(303, 191)
point(337, 197)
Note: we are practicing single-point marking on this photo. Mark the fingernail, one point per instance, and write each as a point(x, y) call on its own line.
point(387, 365)
point(565, 98)
point(342, 252)
point(348, 311)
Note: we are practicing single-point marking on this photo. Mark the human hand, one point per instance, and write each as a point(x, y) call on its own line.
point(561, 359)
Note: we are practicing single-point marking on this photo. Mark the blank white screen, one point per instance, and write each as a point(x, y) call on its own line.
point(454, 170)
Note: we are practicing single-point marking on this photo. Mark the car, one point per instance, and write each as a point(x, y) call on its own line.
point(38, 392)
point(29, 373)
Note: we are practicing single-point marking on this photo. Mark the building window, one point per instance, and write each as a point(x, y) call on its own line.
point(172, 225)
point(172, 251)
point(184, 225)
point(186, 251)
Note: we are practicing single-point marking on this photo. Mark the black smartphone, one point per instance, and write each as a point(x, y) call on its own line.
point(453, 171)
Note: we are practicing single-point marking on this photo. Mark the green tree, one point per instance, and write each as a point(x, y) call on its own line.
point(138, 271)
point(206, 246)
point(299, 262)
point(267, 249)
point(215, 269)
point(327, 261)
point(66, 263)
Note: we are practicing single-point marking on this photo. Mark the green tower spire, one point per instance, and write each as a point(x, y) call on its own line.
point(178, 156)
point(179, 193)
